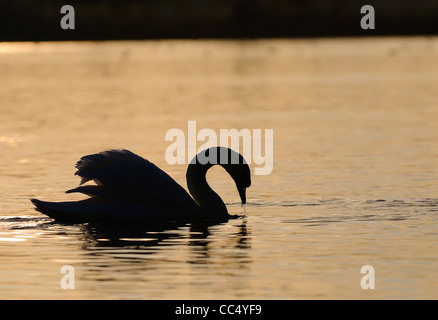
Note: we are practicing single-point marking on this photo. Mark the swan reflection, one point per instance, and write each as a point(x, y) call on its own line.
point(193, 243)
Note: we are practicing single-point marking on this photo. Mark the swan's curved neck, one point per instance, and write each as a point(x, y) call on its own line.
point(209, 201)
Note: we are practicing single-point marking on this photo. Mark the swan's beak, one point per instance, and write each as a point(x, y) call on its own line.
point(242, 194)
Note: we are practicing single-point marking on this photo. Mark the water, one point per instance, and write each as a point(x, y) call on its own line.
point(355, 179)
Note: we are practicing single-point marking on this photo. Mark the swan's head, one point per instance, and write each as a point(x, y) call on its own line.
point(242, 176)
point(234, 163)
point(240, 173)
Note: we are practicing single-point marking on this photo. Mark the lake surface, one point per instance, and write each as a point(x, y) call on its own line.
point(354, 180)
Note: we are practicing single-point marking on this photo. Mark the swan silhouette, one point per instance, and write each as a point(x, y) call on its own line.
point(129, 187)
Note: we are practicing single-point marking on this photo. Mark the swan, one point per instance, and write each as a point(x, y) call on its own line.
point(129, 187)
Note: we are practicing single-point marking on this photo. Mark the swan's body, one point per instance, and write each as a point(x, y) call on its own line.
point(129, 187)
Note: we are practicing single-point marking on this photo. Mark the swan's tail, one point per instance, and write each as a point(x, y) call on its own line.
point(73, 211)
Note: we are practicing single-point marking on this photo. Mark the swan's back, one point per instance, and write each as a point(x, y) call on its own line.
point(127, 187)
point(126, 176)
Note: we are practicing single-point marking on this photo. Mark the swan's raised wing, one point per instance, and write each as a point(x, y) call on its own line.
point(123, 176)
